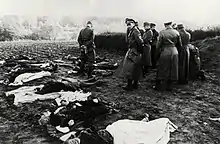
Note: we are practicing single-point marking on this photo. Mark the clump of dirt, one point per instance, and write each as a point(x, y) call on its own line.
point(210, 54)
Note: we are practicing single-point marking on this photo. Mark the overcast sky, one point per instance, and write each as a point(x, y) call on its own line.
point(195, 11)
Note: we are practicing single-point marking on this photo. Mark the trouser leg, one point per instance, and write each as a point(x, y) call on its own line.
point(145, 70)
point(82, 63)
point(128, 87)
point(153, 56)
point(135, 84)
point(89, 72)
point(158, 85)
point(168, 85)
point(91, 60)
point(82, 67)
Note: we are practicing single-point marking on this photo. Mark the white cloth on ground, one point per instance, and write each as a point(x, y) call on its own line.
point(27, 77)
point(139, 132)
point(62, 129)
point(2, 62)
point(59, 61)
point(41, 65)
point(67, 136)
point(27, 94)
point(77, 95)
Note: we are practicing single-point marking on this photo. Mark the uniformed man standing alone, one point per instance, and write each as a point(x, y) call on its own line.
point(131, 66)
point(184, 55)
point(87, 47)
point(153, 45)
point(167, 72)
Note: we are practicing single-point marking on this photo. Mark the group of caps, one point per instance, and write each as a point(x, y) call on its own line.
point(128, 21)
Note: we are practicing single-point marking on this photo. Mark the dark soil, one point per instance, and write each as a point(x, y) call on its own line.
point(189, 107)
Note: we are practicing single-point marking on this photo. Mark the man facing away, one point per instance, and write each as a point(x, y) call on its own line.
point(87, 47)
point(141, 30)
point(184, 55)
point(153, 45)
point(167, 72)
point(147, 37)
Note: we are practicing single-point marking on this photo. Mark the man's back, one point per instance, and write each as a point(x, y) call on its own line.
point(86, 37)
point(169, 37)
point(147, 36)
point(155, 37)
point(185, 37)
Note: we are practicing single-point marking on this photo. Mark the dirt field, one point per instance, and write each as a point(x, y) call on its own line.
point(189, 107)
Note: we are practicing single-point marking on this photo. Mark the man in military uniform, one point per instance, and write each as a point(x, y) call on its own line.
point(174, 26)
point(153, 45)
point(168, 43)
point(131, 66)
point(184, 55)
point(147, 37)
point(141, 30)
point(87, 47)
point(127, 20)
point(195, 71)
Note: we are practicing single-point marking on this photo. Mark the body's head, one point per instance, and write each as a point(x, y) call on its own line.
point(153, 26)
point(146, 25)
point(45, 118)
point(64, 102)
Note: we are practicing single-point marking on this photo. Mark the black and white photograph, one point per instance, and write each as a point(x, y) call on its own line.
point(109, 72)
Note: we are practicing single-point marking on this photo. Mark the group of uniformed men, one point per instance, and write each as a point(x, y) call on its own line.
point(167, 50)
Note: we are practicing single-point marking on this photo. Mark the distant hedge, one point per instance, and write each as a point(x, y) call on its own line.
point(116, 41)
point(110, 41)
point(202, 33)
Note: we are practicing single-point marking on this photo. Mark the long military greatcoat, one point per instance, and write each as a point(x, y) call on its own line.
point(147, 37)
point(153, 47)
point(131, 66)
point(169, 40)
point(184, 56)
point(194, 63)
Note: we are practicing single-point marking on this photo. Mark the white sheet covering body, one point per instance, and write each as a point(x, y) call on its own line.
point(139, 132)
point(27, 94)
point(27, 77)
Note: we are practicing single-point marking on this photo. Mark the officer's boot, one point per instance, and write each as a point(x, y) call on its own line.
point(169, 85)
point(145, 71)
point(82, 68)
point(128, 87)
point(135, 84)
point(158, 85)
point(89, 73)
